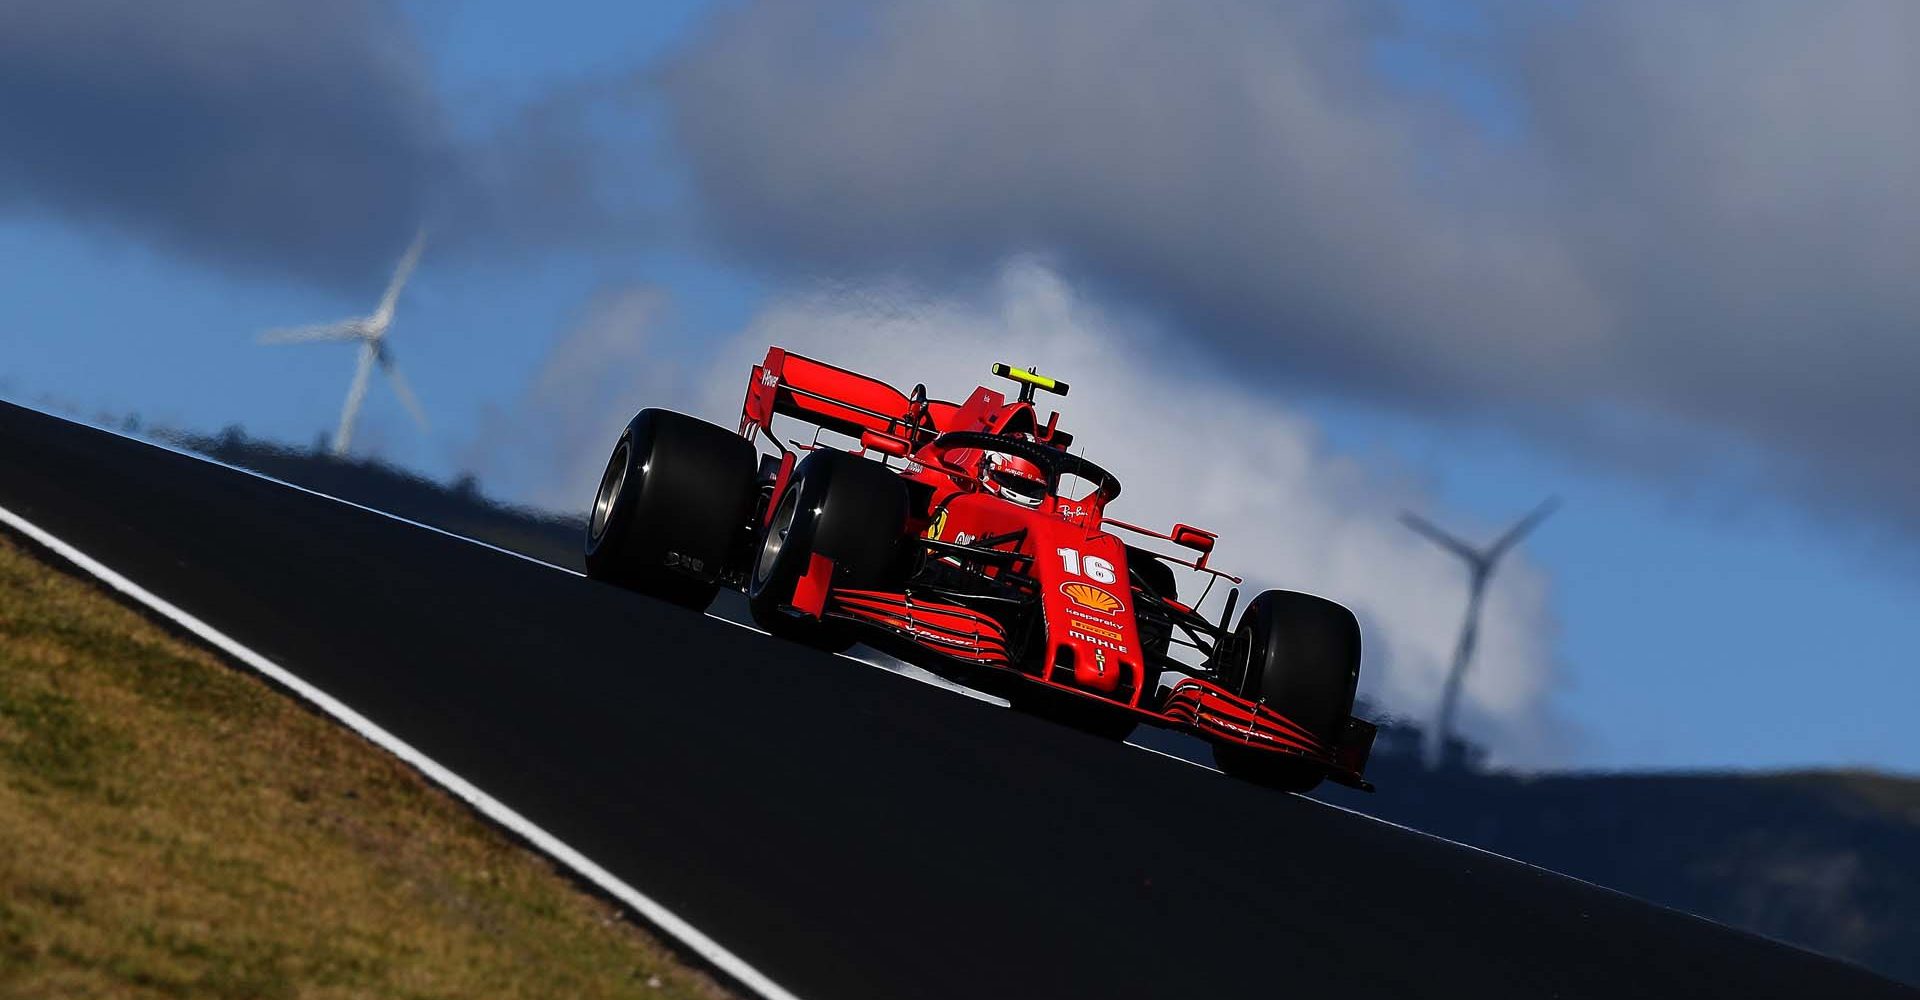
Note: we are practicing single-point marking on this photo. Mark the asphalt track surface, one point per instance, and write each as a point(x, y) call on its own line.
point(849, 832)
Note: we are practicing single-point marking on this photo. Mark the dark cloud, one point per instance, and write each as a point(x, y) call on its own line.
point(297, 138)
point(1739, 192)
point(1703, 228)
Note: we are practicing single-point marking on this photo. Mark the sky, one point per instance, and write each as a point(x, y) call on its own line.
point(1306, 264)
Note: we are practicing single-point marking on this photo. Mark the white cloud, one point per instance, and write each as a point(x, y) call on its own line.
point(550, 447)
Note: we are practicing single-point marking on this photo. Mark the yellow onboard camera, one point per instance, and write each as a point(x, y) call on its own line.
point(1030, 379)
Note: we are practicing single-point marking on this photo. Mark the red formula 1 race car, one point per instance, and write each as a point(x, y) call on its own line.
point(966, 538)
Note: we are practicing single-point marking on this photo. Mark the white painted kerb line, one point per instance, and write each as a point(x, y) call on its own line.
point(652, 912)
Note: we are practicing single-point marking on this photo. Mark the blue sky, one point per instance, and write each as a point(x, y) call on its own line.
point(1703, 621)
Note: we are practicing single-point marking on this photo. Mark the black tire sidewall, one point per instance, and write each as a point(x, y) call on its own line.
point(684, 504)
point(764, 593)
point(850, 510)
point(613, 532)
point(1303, 660)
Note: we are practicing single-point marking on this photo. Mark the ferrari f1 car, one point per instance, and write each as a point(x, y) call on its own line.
point(968, 539)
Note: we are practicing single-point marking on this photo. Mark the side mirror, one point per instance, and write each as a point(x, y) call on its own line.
point(1189, 537)
point(885, 444)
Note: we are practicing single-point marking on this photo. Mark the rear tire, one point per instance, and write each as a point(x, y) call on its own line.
point(848, 509)
point(1300, 656)
point(672, 509)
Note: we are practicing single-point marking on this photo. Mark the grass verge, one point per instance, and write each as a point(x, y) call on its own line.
point(172, 827)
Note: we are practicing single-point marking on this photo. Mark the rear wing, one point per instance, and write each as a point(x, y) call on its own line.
point(793, 385)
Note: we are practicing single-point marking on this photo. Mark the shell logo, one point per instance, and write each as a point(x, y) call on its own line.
point(1089, 596)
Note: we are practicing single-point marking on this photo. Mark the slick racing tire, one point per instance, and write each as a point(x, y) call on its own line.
point(1300, 656)
point(673, 510)
point(848, 509)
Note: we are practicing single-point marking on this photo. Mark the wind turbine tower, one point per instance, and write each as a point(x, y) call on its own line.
point(1444, 747)
point(370, 332)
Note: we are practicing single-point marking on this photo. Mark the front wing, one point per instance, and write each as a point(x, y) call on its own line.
point(1197, 706)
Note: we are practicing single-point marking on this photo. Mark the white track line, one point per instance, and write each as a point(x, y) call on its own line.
point(906, 670)
point(256, 474)
point(1190, 762)
point(654, 913)
point(1322, 803)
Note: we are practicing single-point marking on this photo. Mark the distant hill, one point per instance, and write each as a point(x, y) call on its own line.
point(1829, 861)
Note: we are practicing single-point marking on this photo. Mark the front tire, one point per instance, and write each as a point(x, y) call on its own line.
point(1299, 655)
point(673, 508)
point(845, 508)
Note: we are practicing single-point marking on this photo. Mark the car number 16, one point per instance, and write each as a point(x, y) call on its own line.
point(1092, 567)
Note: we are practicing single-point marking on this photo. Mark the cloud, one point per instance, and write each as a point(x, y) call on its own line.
point(1700, 238)
point(549, 447)
point(1290, 513)
point(289, 138)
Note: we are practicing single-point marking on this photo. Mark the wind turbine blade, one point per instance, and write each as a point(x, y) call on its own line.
point(1432, 533)
point(346, 329)
point(383, 314)
point(356, 391)
point(1522, 527)
point(407, 398)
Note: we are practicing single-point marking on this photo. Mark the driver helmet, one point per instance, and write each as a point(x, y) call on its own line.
point(1014, 478)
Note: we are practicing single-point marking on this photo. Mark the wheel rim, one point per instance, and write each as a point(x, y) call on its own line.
point(611, 482)
point(1243, 658)
point(776, 539)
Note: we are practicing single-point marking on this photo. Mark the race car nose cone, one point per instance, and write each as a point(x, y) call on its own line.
point(1091, 672)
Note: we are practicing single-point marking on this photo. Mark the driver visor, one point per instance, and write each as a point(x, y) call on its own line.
point(1032, 489)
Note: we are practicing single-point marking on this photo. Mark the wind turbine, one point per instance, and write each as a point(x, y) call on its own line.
point(1480, 566)
point(371, 332)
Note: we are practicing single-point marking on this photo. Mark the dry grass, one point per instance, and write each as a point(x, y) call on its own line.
point(171, 827)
